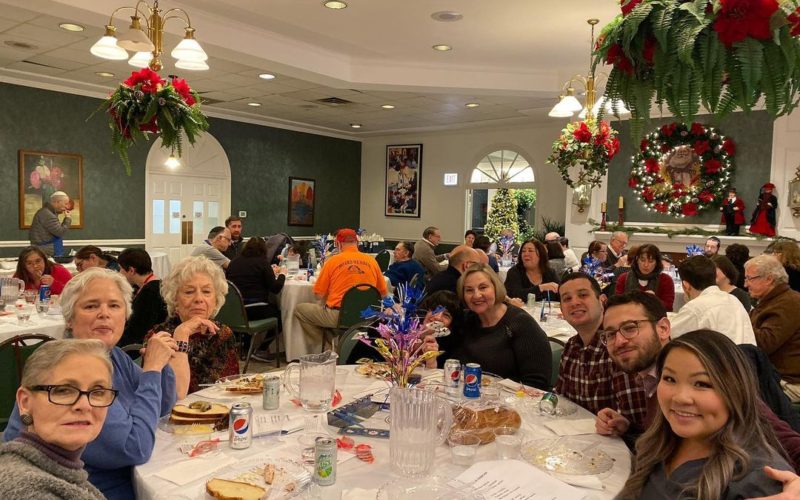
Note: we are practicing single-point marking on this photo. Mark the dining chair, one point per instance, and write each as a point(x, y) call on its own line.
point(234, 315)
point(14, 352)
point(383, 259)
point(557, 349)
point(349, 340)
point(355, 300)
point(133, 350)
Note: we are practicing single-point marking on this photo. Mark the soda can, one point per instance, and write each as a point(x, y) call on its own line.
point(548, 403)
point(325, 461)
point(272, 393)
point(44, 293)
point(452, 374)
point(472, 380)
point(240, 429)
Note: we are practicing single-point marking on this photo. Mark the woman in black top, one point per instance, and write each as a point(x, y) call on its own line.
point(727, 276)
point(255, 278)
point(531, 274)
point(502, 338)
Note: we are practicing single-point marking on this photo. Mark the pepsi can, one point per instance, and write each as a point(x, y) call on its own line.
point(240, 430)
point(472, 380)
point(44, 293)
point(452, 375)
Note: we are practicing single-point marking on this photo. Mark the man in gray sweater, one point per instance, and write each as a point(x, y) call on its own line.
point(424, 254)
point(47, 232)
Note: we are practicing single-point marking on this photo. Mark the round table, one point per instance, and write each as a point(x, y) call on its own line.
point(159, 478)
point(48, 324)
point(295, 292)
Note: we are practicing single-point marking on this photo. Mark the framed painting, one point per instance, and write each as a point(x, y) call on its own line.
point(42, 173)
point(301, 201)
point(403, 174)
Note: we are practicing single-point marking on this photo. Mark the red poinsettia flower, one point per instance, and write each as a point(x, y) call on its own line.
point(678, 186)
point(689, 209)
point(644, 145)
point(582, 133)
point(794, 20)
point(697, 129)
point(712, 166)
point(616, 57)
point(182, 88)
point(633, 182)
point(612, 148)
point(705, 196)
point(651, 166)
point(664, 148)
point(628, 5)
point(738, 19)
point(649, 49)
point(150, 126)
point(701, 147)
point(669, 129)
point(149, 79)
point(648, 194)
point(660, 207)
point(729, 146)
point(677, 194)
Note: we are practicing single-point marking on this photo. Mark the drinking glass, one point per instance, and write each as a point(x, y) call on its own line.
point(30, 296)
point(420, 421)
point(23, 312)
point(463, 447)
point(508, 442)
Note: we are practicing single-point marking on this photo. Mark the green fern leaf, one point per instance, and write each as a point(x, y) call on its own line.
point(661, 24)
point(749, 53)
point(631, 25)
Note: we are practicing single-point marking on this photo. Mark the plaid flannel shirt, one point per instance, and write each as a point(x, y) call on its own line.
point(589, 377)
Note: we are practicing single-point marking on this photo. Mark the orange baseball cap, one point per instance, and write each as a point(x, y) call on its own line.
point(346, 235)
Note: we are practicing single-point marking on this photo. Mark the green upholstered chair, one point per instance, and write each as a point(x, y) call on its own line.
point(14, 352)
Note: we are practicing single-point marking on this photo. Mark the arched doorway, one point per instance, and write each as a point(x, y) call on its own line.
point(185, 202)
point(502, 168)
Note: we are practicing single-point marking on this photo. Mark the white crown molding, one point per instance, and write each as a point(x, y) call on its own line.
point(75, 243)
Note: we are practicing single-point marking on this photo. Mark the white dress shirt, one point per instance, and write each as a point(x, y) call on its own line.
point(714, 310)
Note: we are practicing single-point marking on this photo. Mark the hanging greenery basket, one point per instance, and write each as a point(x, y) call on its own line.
point(723, 55)
point(588, 145)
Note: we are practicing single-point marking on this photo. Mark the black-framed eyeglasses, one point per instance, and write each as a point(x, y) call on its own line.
point(67, 395)
point(627, 329)
point(752, 278)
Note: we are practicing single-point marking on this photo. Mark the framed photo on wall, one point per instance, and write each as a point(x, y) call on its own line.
point(301, 201)
point(403, 174)
point(42, 173)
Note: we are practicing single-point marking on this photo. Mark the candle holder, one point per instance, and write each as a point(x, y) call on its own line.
point(621, 218)
point(603, 221)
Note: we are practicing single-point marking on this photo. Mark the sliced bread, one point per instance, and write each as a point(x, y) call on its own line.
point(234, 490)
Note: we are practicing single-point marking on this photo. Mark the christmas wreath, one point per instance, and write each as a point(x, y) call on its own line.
point(682, 170)
point(590, 145)
point(144, 104)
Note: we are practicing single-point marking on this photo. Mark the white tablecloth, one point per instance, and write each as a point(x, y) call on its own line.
point(355, 473)
point(47, 324)
point(293, 293)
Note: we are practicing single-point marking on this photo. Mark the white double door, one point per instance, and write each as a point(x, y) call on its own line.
point(182, 209)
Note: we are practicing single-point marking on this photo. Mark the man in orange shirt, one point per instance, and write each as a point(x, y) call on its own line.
point(340, 273)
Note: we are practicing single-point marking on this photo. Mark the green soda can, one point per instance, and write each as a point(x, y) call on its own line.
point(325, 461)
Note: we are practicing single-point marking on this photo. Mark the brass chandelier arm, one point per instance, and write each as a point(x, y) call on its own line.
point(169, 15)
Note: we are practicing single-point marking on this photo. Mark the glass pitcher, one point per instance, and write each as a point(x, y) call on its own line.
point(317, 381)
point(11, 289)
point(292, 265)
point(420, 421)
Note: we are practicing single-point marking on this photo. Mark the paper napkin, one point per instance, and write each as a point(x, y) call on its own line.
point(568, 427)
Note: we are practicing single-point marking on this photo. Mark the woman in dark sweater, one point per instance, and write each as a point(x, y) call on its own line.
point(646, 275)
point(727, 275)
point(255, 278)
point(531, 274)
point(502, 338)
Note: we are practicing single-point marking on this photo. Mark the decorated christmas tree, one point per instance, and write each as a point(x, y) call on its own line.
point(502, 215)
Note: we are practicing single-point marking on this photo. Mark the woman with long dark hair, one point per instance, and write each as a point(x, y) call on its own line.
point(646, 275)
point(36, 270)
point(531, 274)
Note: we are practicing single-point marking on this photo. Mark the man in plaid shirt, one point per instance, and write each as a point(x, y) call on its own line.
point(587, 374)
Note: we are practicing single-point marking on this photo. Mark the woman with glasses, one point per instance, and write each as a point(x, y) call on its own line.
point(95, 305)
point(646, 275)
point(709, 439)
point(63, 401)
point(35, 269)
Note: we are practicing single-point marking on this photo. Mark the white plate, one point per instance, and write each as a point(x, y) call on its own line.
point(251, 471)
point(566, 456)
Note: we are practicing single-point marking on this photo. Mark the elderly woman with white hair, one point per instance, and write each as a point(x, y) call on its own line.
point(194, 293)
point(95, 305)
point(776, 322)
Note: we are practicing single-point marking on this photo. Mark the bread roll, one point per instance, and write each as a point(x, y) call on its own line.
point(234, 490)
point(484, 420)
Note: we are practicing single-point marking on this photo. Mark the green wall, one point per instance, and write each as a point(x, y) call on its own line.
point(752, 134)
point(261, 160)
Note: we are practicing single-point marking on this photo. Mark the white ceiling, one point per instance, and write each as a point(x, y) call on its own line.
point(509, 56)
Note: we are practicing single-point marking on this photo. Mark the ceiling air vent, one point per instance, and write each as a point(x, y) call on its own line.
point(20, 45)
point(334, 101)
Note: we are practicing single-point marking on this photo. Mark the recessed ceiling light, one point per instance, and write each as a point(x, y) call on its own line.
point(335, 4)
point(446, 16)
point(355, 125)
point(442, 47)
point(71, 27)
point(387, 106)
point(472, 105)
point(266, 76)
point(254, 104)
point(105, 74)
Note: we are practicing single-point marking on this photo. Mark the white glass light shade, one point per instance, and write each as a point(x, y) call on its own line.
point(191, 65)
point(563, 109)
point(141, 59)
point(136, 40)
point(570, 103)
point(107, 48)
point(172, 162)
point(189, 50)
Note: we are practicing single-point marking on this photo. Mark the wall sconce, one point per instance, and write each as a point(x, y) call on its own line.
point(794, 193)
point(582, 195)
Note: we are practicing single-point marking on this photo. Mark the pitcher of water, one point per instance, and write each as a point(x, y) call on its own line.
point(420, 421)
point(317, 381)
point(11, 289)
point(292, 265)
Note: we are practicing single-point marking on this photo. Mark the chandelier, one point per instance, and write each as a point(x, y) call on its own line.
point(568, 104)
point(146, 44)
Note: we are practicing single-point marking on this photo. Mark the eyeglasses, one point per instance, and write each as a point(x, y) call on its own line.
point(66, 395)
point(628, 330)
point(752, 278)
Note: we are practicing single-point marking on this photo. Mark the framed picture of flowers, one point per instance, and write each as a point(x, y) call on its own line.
point(301, 201)
point(403, 174)
point(42, 173)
